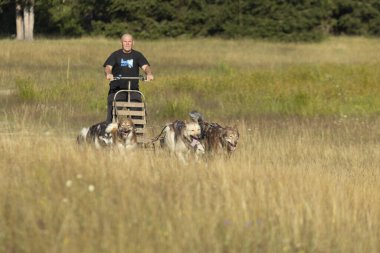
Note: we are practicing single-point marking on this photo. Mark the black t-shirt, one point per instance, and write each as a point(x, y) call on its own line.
point(125, 65)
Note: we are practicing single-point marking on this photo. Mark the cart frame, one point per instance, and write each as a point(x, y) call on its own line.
point(136, 111)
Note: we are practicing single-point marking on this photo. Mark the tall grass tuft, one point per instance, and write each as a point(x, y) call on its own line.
point(27, 90)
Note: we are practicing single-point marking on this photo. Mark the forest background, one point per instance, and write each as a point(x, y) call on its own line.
point(306, 20)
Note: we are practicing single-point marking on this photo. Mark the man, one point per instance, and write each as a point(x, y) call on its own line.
point(125, 62)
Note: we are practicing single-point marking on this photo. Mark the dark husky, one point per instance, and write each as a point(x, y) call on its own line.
point(121, 134)
point(216, 139)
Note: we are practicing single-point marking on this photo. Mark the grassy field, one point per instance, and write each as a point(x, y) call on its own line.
point(304, 178)
point(224, 79)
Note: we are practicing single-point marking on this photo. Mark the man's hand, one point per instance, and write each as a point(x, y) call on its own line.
point(149, 77)
point(109, 77)
point(148, 72)
point(108, 72)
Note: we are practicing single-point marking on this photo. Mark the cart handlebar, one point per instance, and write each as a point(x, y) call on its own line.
point(142, 78)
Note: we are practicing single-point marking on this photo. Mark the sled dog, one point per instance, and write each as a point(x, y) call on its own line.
point(216, 138)
point(181, 138)
point(121, 135)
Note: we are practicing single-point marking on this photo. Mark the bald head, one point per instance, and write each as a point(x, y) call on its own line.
point(126, 35)
point(127, 42)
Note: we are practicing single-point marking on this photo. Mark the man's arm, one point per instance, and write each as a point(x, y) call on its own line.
point(148, 72)
point(108, 72)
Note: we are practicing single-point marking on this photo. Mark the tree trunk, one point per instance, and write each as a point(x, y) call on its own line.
point(19, 22)
point(29, 21)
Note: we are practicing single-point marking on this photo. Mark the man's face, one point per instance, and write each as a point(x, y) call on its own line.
point(127, 43)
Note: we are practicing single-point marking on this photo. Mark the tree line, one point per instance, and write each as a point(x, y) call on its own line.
point(283, 20)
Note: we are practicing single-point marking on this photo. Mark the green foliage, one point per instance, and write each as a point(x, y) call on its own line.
point(7, 17)
point(306, 20)
point(356, 17)
point(3, 4)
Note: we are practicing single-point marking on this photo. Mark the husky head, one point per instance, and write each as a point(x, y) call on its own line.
point(192, 130)
point(106, 139)
point(125, 127)
point(123, 134)
point(98, 134)
point(230, 135)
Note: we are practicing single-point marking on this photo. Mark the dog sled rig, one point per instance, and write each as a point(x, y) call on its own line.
point(136, 111)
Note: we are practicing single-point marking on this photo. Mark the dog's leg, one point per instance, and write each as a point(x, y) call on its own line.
point(182, 151)
point(120, 147)
point(181, 157)
point(170, 139)
point(131, 141)
point(97, 144)
point(199, 152)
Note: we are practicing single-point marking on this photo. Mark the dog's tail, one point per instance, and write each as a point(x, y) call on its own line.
point(112, 127)
point(81, 138)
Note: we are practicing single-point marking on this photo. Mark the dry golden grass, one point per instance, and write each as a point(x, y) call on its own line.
point(293, 185)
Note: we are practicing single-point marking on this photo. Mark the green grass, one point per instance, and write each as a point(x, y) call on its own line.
point(225, 79)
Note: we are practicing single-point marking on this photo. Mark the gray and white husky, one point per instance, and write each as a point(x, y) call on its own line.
point(182, 139)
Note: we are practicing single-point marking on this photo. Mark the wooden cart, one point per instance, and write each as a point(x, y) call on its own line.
point(136, 111)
